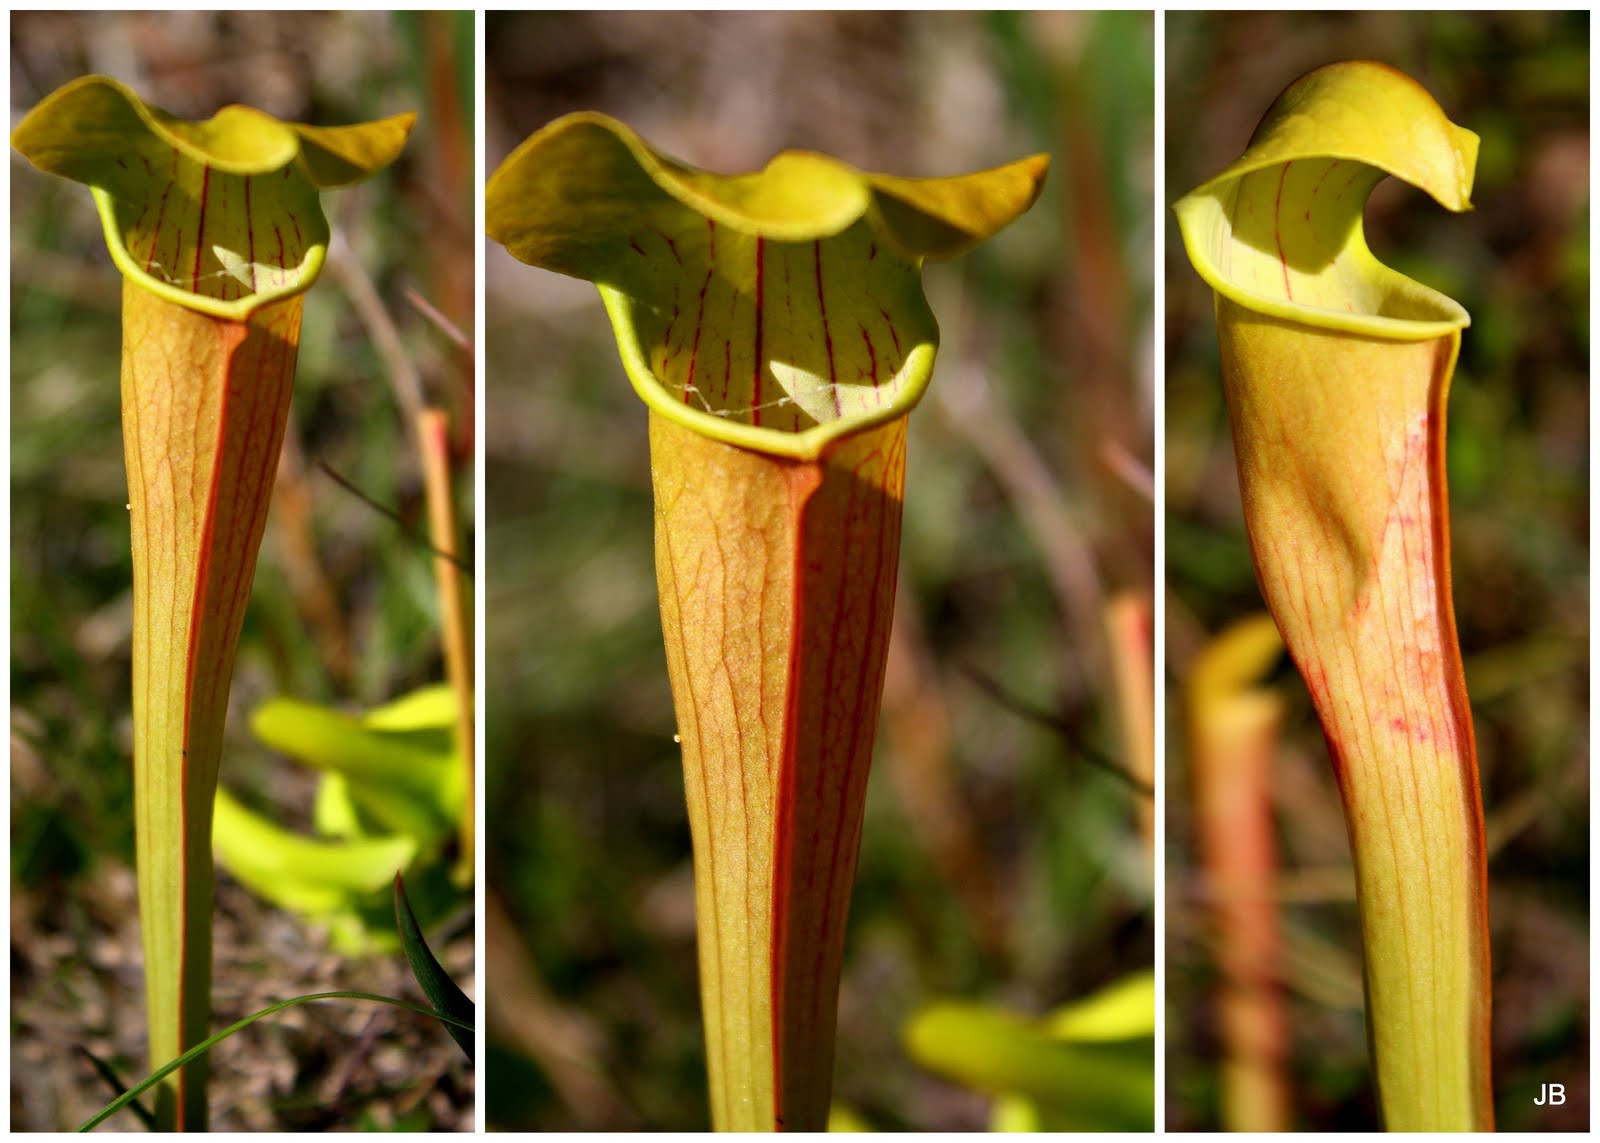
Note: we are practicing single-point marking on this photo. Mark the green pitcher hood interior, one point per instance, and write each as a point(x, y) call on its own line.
point(778, 310)
point(1280, 231)
point(222, 215)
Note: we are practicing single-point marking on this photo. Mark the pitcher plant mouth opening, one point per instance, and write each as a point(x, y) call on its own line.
point(778, 310)
point(1280, 231)
point(220, 216)
point(780, 365)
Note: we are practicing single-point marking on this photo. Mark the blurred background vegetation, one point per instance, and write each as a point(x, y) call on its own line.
point(344, 610)
point(1519, 480)
point(998, 863)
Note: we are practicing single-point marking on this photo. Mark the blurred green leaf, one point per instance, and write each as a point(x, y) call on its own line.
point(314, 878)
point(1124, 1010)
point(1078, 1087)
point(390, 786)
point(842, 1119)
point(410, 784)
point(429, 708)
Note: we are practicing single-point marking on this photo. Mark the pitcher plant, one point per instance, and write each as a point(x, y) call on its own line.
point(775, 326)
point(1337, 369)
point(218, 232)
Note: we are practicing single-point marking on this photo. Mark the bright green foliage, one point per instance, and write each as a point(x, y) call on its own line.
point(1089, 1066)
point(387, 803)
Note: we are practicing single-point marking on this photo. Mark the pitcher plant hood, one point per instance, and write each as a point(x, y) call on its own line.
point(777, 310)
point(1280, 231)
point(220, 216)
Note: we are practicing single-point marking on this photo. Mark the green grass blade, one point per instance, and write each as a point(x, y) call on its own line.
point(205, 1046)
point(436, 984)
point(112, 1080)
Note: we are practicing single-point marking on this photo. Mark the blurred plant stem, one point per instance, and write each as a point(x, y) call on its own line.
point(433, 433)
point(431, 429)
point(1130, 635)
point(1233, 729)
point(447, 39)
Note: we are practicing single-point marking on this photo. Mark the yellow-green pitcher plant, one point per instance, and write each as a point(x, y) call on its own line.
point(217, 230)
point(775, 326)
point(1337, 370)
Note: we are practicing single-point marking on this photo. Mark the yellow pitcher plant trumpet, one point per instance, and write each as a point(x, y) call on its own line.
point(774, 323)
point(218, 231)
point(1337, 370)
